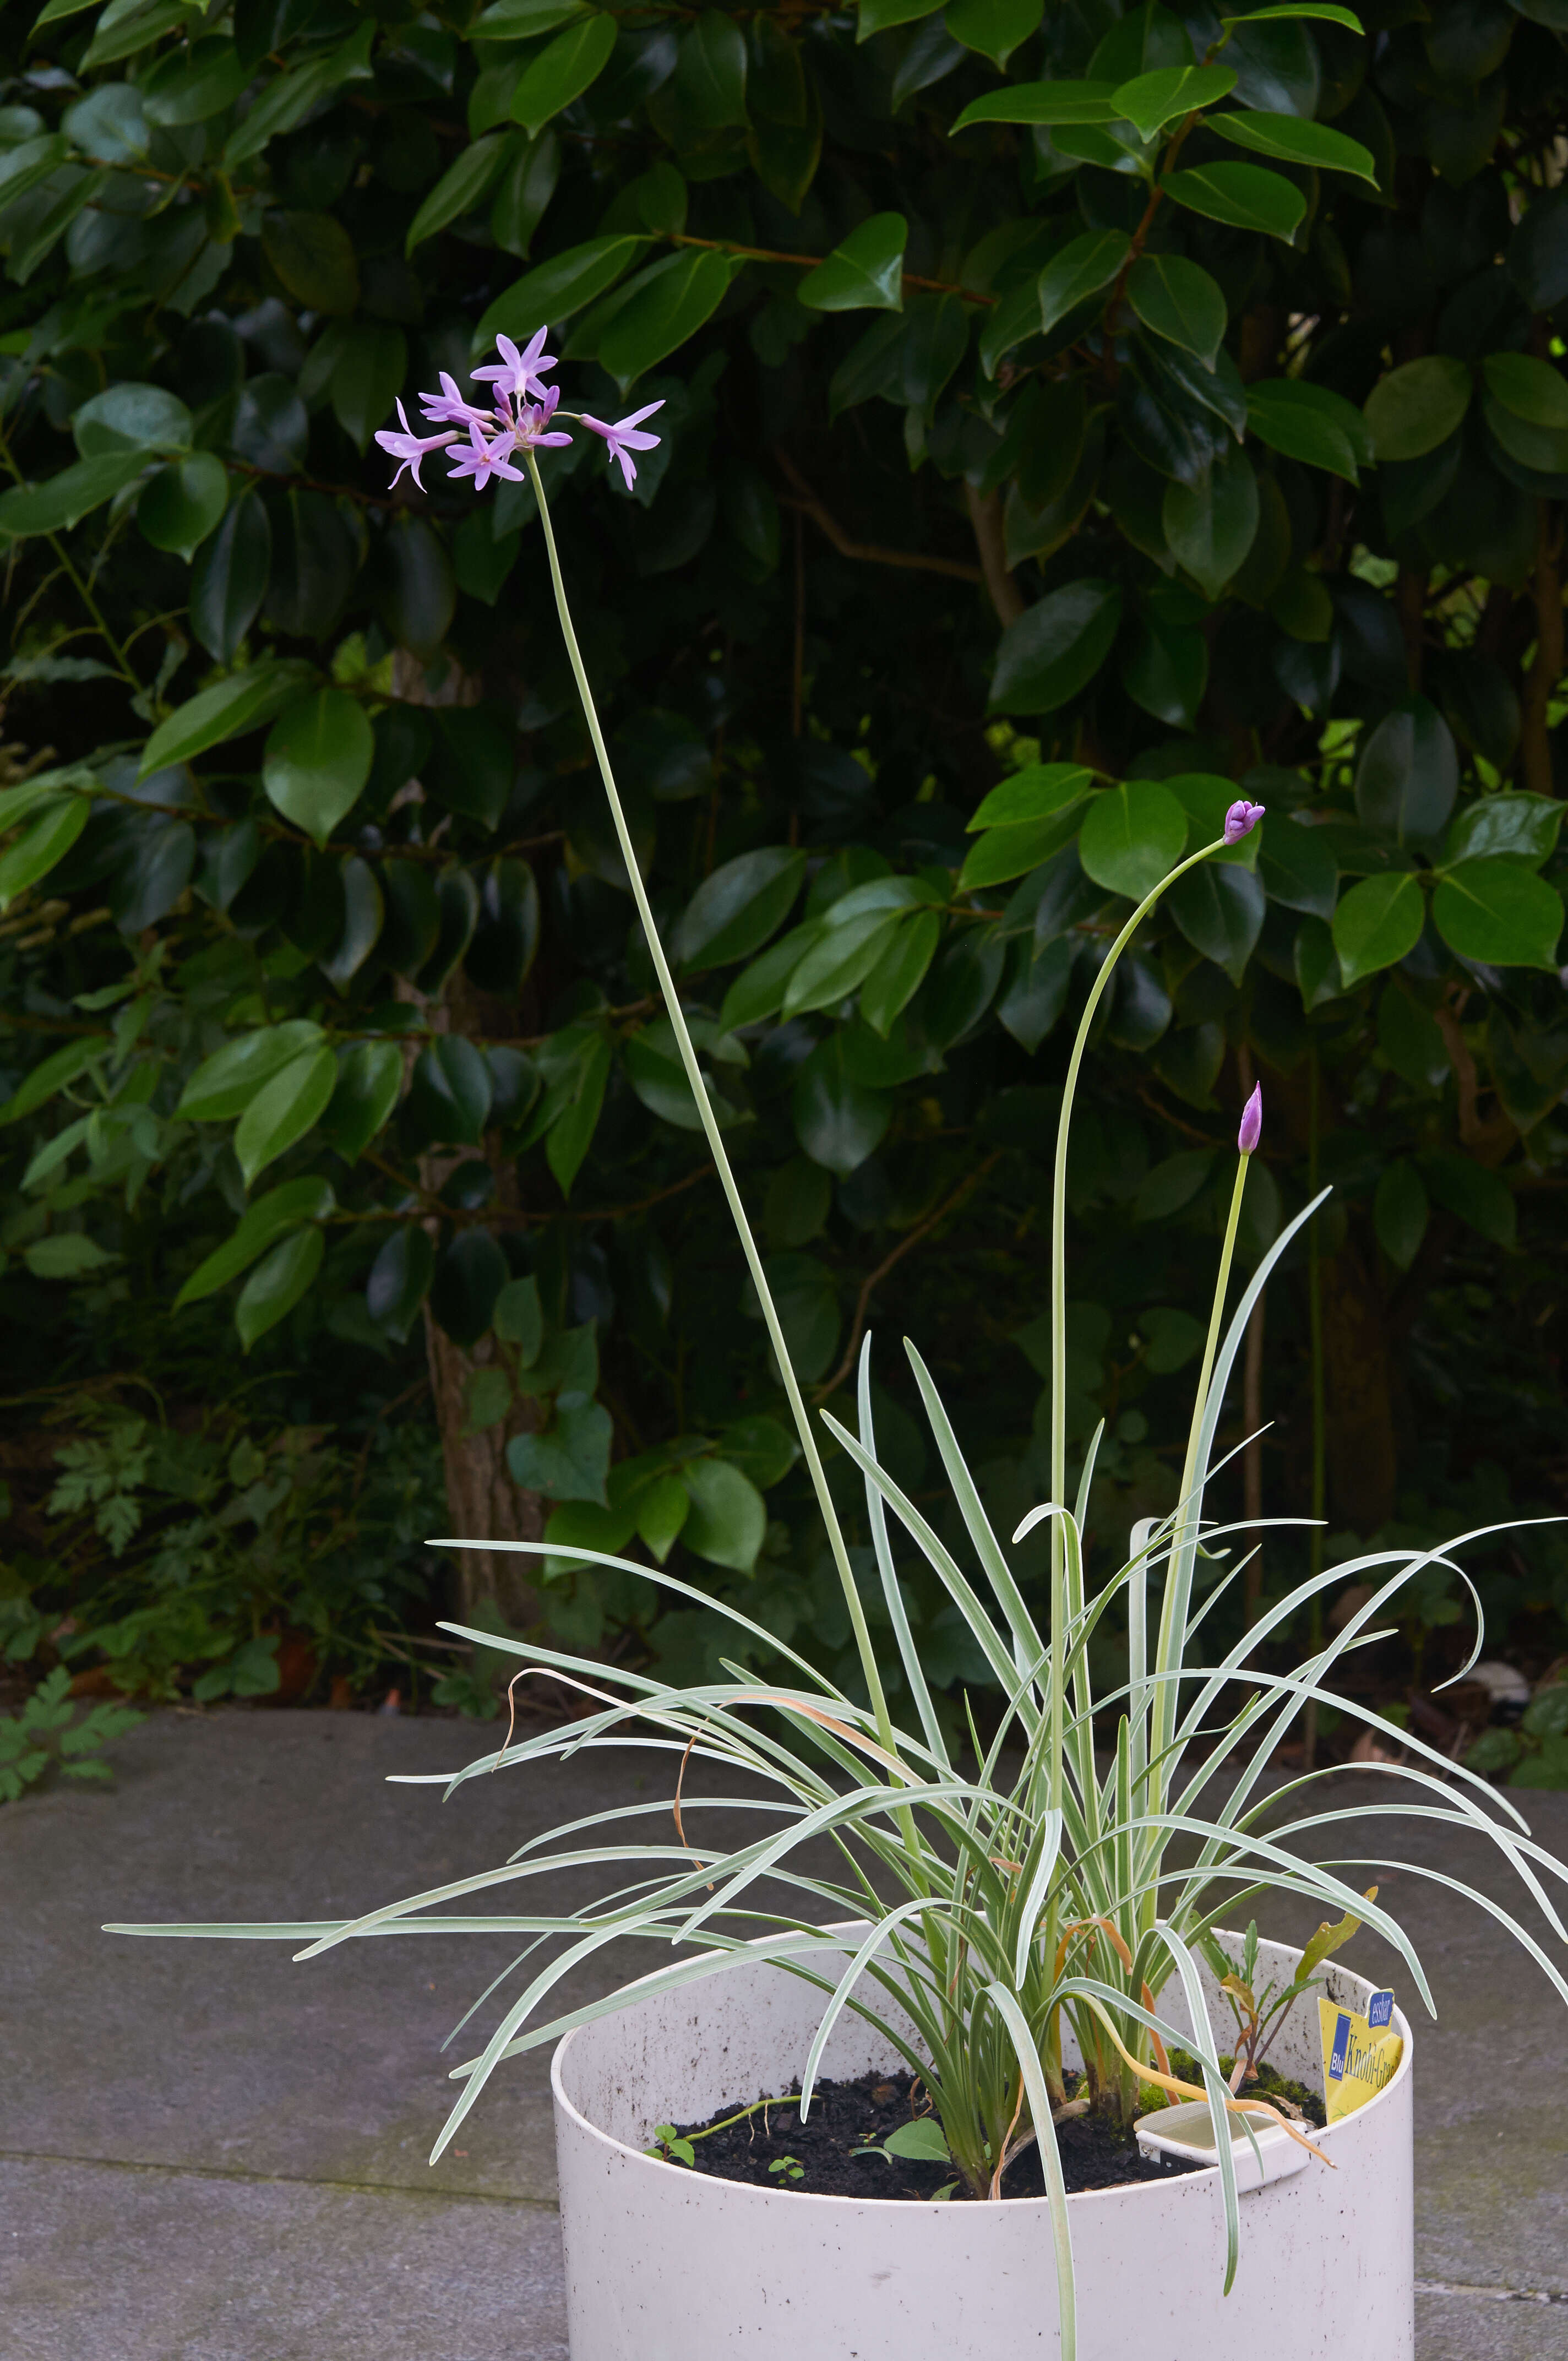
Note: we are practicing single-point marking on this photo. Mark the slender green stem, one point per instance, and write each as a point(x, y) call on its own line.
point(1059, 1338)
point(1315, 1323)
point(1184, 1539)
point(715, 1140)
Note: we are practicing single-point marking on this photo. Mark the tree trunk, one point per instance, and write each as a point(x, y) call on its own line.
point(1359, 1408)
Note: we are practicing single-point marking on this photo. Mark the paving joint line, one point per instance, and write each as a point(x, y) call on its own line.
point(280, 2179)
point(1492, 2294)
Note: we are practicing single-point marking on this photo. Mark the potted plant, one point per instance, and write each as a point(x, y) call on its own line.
point(1012, 1928)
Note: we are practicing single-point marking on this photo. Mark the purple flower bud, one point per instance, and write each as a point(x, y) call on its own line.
point(1241, 819)
point(1251, 1131)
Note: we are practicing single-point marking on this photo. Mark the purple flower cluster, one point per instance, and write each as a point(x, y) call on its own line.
point(522, 418)
point(1241, 819)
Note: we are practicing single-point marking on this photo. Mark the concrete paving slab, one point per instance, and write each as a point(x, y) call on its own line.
point(110, 2263)
point(279, 2116)
point(1476, 2325)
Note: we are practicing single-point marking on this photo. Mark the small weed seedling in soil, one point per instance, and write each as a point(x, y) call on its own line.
point(867, 2138)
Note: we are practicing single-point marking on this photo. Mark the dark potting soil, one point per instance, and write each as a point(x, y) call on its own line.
point(772, 2148)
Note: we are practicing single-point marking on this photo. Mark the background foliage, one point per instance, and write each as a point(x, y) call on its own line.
point(1069, 417)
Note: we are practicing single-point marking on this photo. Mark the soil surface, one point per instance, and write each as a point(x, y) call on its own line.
point(772, 2148)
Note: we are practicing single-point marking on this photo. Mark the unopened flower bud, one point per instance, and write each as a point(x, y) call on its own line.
point(1251, 1131)
point(1241, 819)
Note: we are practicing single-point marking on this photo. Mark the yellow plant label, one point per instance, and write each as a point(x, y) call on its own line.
point(1360, 2053)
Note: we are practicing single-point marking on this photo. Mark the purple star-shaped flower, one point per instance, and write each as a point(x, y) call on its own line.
point(449, 404)
point(623, 440)
point(408, 447)
point(1251, 1131)
point(518, 374)
point(483, 460)
point(531, 432)
point(1241, 819)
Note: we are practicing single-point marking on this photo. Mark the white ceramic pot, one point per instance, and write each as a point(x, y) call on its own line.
point(664, 2264)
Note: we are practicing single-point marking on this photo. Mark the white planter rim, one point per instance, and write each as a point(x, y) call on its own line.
point(1123, 2192)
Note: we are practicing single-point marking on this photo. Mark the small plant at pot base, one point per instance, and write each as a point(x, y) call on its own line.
point(789, 2166)
point(993, 1901)
point(1260, 2016)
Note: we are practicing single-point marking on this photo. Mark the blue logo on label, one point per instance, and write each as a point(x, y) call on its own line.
point(1341, 2044)
point(1380, 2010)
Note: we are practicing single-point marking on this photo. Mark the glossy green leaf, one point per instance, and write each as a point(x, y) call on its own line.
point(230, 708)
point(571, 1461)
point(466, 1284)
point(313, 256)
point(1056, 647)
point(1316, 145)
point(571, 1135)
point(131, 417)
point(1152, 100)
point(1377, 923)
point(1243, 195)
point(1309, 422)
point(1210, 525)
point(183, 502)
point(51, 1074)
point(189, 85)
point(567, 66)
point(225, 1084)
point(1531, 388)
point(285, 102)
point(283, 1110)
point(505, 934)
point(901, 970)
point(557, 288)
point(64, 500)
point(1013, 850)
point(519, 1319)
point(877, 16)
point(1413, 408)
point(711, 74)
point(1400, 1211)
point(1408, 776)
point(1132, 835)
point(231, 576)
point(528, 181)
point(366, 1091)
point(865, 273)
point(1328, 10)
point(361, 368)
point(1496, 911)
point(281, 1210)
point(415, 590)
point(66, 1254)
point(399, 1280)
point(462, 187)
point(1296, 866)
point(837, 1121)
point(45, 844)
point(994, 28)
point(1042, 102)
point(1080, 271)
point(670, 303)
point(1036, 792)
point(1177, 299)
point(449, 1093)
point(317, 760)
point(662, 1510)
point(727, 1519)
point(1505, 827)
point(735, 911)
point(1219, 909)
